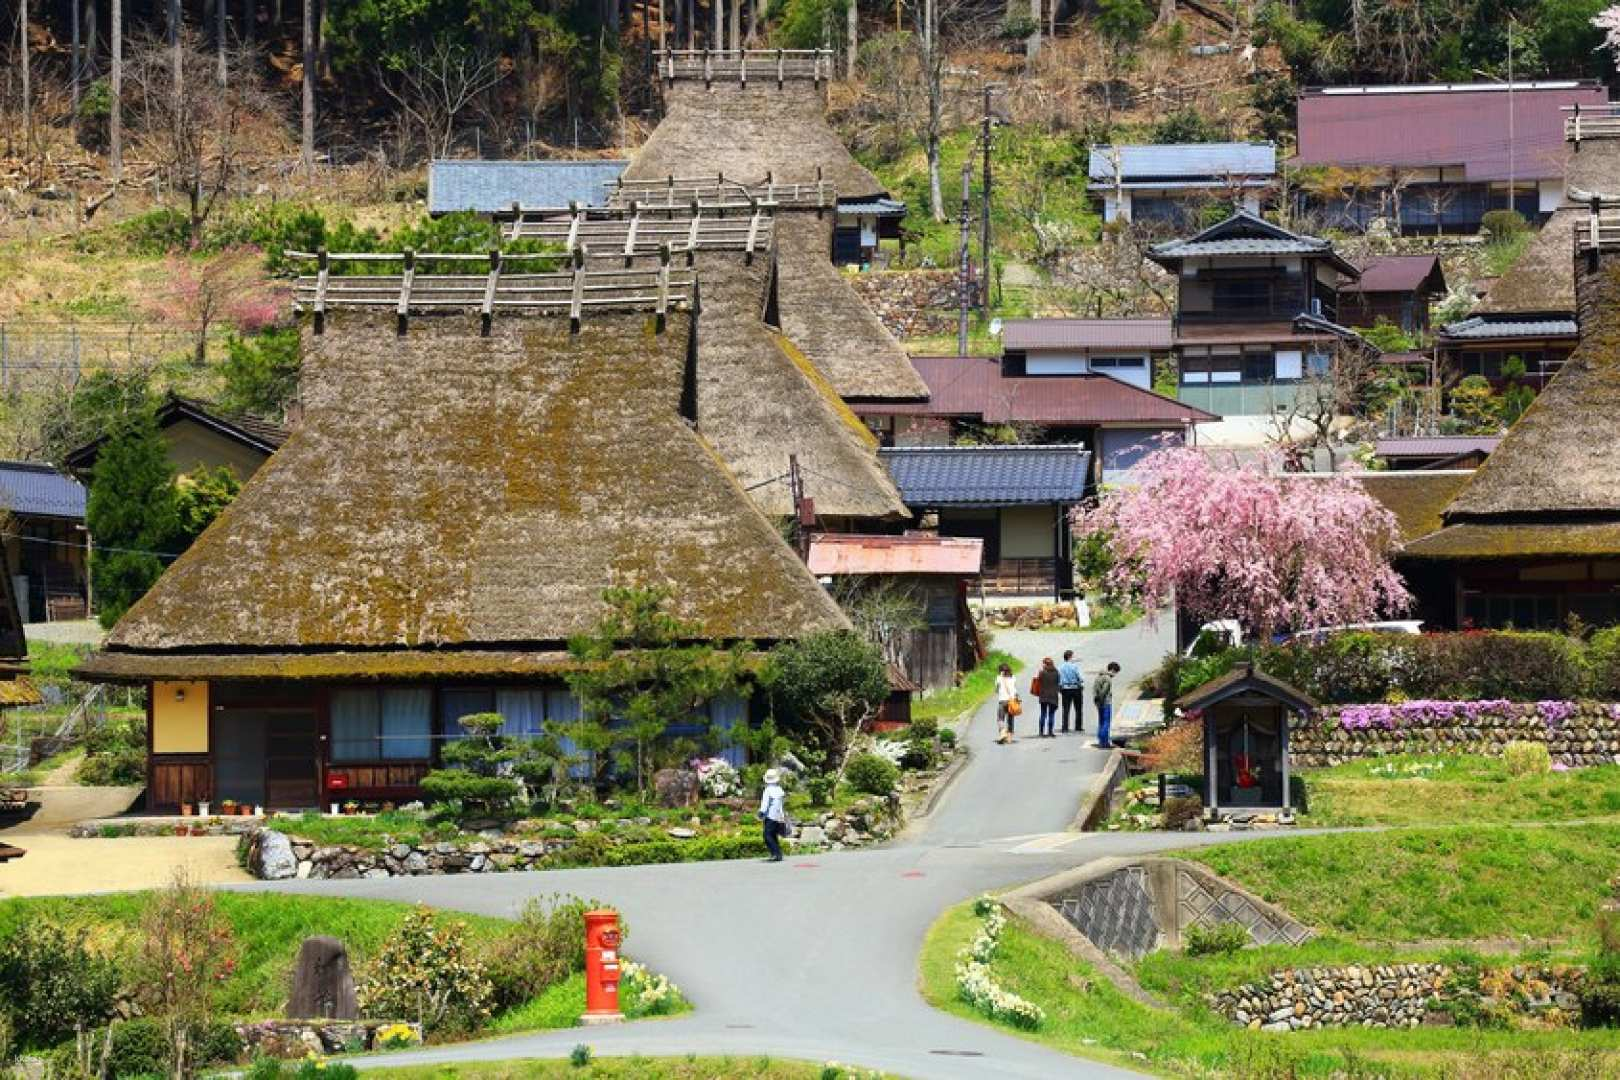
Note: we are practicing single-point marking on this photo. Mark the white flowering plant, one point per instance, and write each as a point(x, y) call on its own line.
point(643, 993)
point(978, 986)
point(717, 778)
point(891, 750)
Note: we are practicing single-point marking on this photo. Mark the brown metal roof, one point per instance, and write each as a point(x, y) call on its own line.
point(1427, 126)
point(1022, 334)
point(975, 386)
point(1257, 333)
point(838, 554)
point(1399, 273)
point(1435, 445)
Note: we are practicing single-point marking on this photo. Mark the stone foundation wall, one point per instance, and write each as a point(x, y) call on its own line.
point(1386, 996)
point(1575, 733)
point(911, 303)
point(300, 1038)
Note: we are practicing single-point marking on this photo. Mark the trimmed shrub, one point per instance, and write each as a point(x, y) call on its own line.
point(871, 774)
point(1222, 939)
point(1600, 990)
point(1500, 225)
point(1515, 665)
point(1603, 664)
point(51, 983)
point(427, 972)
point(115, 754)
point(140, 1047)
point(544, 947)
point(214, 1042)
point(1527, 758)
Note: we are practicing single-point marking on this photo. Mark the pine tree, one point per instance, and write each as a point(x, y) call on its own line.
point(131, 514)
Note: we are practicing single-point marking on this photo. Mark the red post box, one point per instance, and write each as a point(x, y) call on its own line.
point(602, 968)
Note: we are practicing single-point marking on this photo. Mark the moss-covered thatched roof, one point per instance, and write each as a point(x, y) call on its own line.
point(1417, 498)
point(747, 131)
point(1542, 279)
point(1518, 540)
point(824, 317)
point(1561, 457)
point(19, 691)
point(450, 492)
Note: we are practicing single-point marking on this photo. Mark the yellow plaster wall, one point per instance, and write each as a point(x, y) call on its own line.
point(180, 727)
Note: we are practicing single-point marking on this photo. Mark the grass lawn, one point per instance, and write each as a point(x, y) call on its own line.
point(1451, 883)
point(1434, 790)
point(977, 685)
point(690, 1067)
point(1086, 1015)
point(268, 930)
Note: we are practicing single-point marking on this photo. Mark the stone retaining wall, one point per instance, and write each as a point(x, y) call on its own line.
point(275, 856)
point(1590, 735)
point(1384, 996)
point(300, 1038)
point(911, 303)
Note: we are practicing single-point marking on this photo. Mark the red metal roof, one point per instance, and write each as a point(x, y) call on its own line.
point(1086, 334)
point(975, 386)
point(1427, 126)
point(1435, 445)
point(1396, 273)
point(834, 554)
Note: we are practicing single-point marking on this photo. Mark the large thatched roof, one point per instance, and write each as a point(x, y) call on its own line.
point(825, 317)
point(747, 131)
point(1559, 461)
point(450, 492)
point(1542, 279)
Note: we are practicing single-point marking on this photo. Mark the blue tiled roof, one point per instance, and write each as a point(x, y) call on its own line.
point(1184, 160)
point(490, 187)
point(882, 206)
point(988, 475)
point(29, 489)
point(1484, 327)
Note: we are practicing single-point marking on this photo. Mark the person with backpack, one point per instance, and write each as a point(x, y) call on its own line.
point(1071, 684)
point(1046, 689)
point(1102, 695)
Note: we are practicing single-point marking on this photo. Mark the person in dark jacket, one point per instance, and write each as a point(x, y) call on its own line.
point(1048, 688)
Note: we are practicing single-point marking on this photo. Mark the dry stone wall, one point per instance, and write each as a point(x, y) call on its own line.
point(911, 303)
point(300, 1038)
point(1575, 733)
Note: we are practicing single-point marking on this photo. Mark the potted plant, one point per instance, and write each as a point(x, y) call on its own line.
point(245, 810)
point(202, 807)
point(351, 807)
point(258, 811)
point(227, 807)
point(187, 810)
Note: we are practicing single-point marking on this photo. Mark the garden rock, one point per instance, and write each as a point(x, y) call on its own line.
point(674, 789)
point(276, 861)
point(681, 833)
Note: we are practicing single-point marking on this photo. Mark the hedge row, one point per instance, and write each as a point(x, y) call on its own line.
point(1467, 666)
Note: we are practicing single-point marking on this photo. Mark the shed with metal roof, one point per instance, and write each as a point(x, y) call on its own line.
point(494, 187)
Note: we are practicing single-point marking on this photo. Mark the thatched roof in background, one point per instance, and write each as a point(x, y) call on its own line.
point(1542, 278)
point(824, 316)
point(760, 400)
point(1593, 167)
point(1417, 498)
point(748, 131)
point(447, 491)
point(1561, 457)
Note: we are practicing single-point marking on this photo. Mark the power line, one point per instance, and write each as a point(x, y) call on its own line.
point(85, 546)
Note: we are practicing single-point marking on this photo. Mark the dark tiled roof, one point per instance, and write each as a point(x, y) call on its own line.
point(1177, 161)
point(1398, 273)
point(1480, 327)
point(1246, 234)
point(1086, 334)
point(988, 475)
point(1435, 445)
point(882, 206)
point(1426, 126)
point(1245, 678)
point(491, 187)
point(32, 489)
point(975, 386)
point(254, 432)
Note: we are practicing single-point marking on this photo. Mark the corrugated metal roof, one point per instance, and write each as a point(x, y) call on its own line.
point(1021, 334)
point(1435, 445)
point(1184, 160)
point(30, 489)
point(1480, 327)
point(490, 187)
point(1427, 126)
point(838, 553)
point(988, 475)
point(974, 386)
point(1396, 273)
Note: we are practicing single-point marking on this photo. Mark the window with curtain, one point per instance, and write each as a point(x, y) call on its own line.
point(382, 724)
point(524, 712)
point(454, 704)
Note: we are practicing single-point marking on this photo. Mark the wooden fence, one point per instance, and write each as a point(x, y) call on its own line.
point(637, 230)
point(739, 66)
point(720, 191)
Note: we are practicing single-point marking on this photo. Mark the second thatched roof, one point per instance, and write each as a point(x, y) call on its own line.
point(1542, 279)
point(449, 492)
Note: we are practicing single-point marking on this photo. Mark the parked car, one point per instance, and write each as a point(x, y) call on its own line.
point(1226, 633)
point(1319, 633)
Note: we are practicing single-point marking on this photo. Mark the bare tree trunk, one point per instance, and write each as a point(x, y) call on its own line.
point(248, 18)
point(756, 16)
point(736, 23)
point(1032, 44)
point(719, 41)
point(174, 52)
point(1167, 12)
point(115, 122)
point(27, 96)
point(934, 73)
point(219, 39)
point(308, 144)
point(89, 65)
point(75, 61)
point(852, 32)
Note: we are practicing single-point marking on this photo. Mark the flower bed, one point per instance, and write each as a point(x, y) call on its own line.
point(1575, 732)
point(975, 983)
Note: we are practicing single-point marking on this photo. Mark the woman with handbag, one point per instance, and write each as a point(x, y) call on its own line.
point(1008, 706)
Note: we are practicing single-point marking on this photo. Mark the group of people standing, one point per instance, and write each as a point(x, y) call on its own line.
point(1057, 687)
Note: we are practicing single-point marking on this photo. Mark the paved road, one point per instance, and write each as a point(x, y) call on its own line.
point(816, 959)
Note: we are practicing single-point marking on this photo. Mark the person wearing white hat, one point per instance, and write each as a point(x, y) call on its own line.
point(773, 813)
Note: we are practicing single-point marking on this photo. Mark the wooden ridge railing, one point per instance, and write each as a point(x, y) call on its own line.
point(576, 291)
point(720, 191)
point(635, 230)
point(739, 65)
point(1591, 122)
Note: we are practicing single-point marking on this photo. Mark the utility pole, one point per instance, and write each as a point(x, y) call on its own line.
point(307, 135)
point(964, 268)
point(1512, 190)
point(115, 120)
point(984, 210)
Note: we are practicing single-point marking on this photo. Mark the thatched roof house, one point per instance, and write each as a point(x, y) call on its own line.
point(15, 689)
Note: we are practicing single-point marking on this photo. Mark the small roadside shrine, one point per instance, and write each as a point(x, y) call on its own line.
point(1246, 719)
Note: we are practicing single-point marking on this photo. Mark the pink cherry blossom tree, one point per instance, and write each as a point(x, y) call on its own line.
point(1608, 21)
point(1226, 541)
